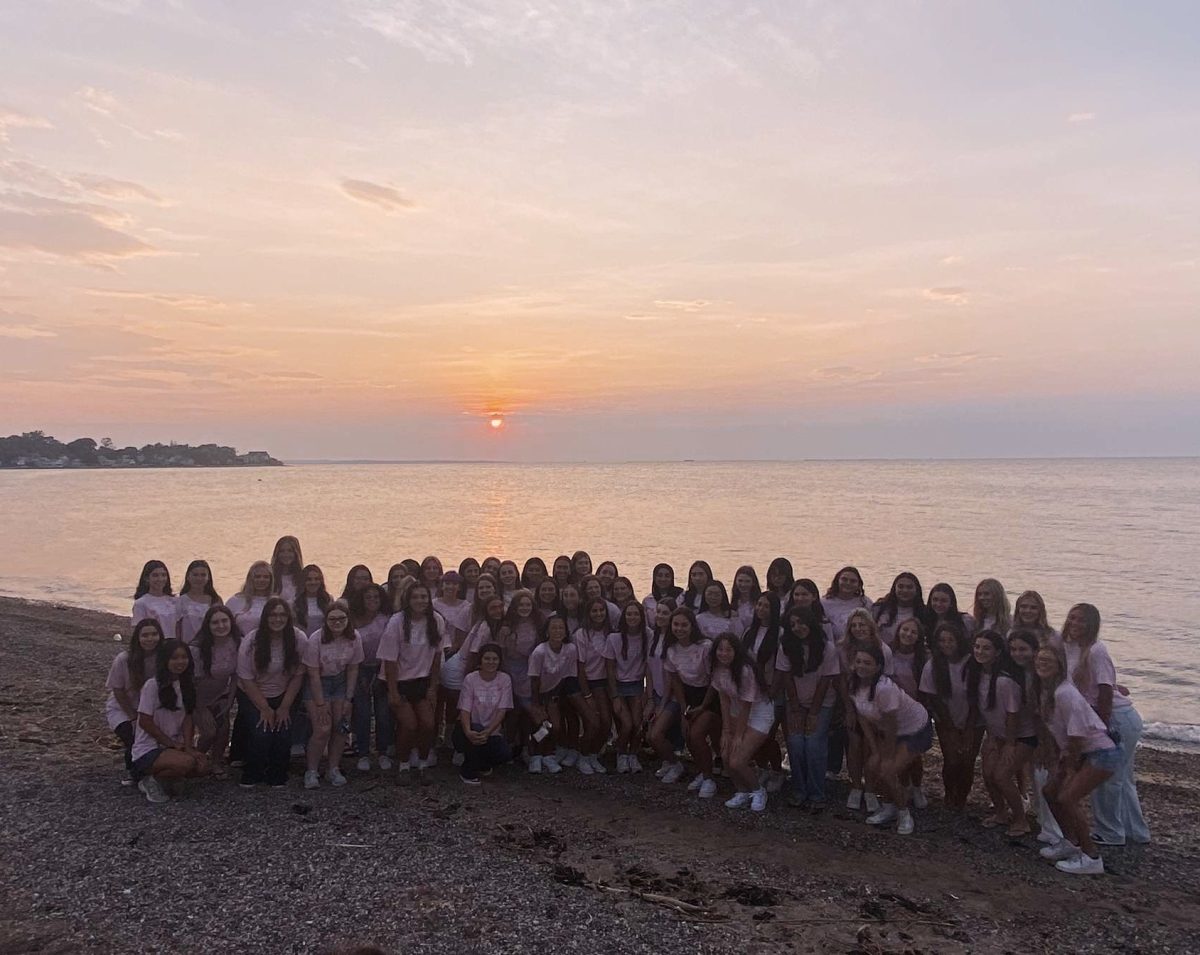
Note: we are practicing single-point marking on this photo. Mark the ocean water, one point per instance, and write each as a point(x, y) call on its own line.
point(1123, 534)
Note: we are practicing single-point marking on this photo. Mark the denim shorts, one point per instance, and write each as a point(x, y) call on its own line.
point(920, 741)
point(334, 687)
point(1106, 759)
point(600, 684)
point(144, 763)
point(630, 688)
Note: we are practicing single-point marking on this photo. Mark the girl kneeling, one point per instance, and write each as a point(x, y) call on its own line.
point(747, 717)
point(162, 746)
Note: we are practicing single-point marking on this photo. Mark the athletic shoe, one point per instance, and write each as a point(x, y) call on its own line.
point(335, 777)
point(674, 773)
point(758, 800)
point(1102, 841)
point(634, 765)
point(739, 800)
point(404, 767)
point(696, 783)
point(1060, 851)
point(854, 800)
point(718, 766)
point(1049, 838)
point(535, 764)
point(622, 763)
point(551, 765)
point(584, 765)
point(311, 780)
point(457, 759)
point(153, 791)
point(662, 770)
point(1082, 864)
point(886, 814)
point(430, 760)
point(569, 757)
point(904, 823)
point(297, 749)
point(596, 764)
point(126, 779)
point(919, 799)
point(470, 782)
point(237, 763)
point(708, 789)
point(384, 763)
point(364, 764)
point(872, 802)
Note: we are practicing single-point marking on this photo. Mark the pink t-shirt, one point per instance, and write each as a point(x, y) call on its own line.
point(722, 682)
point(712, 625)
point(164, 609)
point(838, 611)
point(1008, 700)
point(552, 668)
point(273, 682)
point(415, 656)
point(1101, 672)
point(806, 683)
point(631, 665)
point(1074, 716)
point(480, 635)
point(591, 644)
point(191, 615)
point(887, 631)
point(958, 704)
point(483, 699)
point(743, 616)
point(690, 662)
point(902, 673)
point(248, 611)
point(456, 615)
point(889, 698)
point(519, 643)
point(169, 722)
point(334, 657)
point(371, 634)
point(118, 679)
point(215, 685)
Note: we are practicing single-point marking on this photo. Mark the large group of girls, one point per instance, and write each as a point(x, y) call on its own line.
point(565, 668)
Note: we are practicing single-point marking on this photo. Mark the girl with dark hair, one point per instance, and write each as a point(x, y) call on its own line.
point(162, 747)
point(1029, 613)
point(546, 598)
point(581, 566)
point(287, 567)
point(943, 687)
point(485, 701)
point(431, 574)
point(687, 670)
point(808, 665)
point(996, 699)
point(761, 640)
point(215, 660)
point(155, 598)
point(910, 652)
point(469, 571)
point(397, 575)
point(747, 716)
point(700, 575)
point(488, 629)
point(662, 586)
point(562, 570)
point(553, 681)
point(942, 607)
point(270, 674)
point(606, 573)
point(509, 577)
point(248, 603)
point(592, 639)
point(357, 577)
point(533, 573)
point(903, 602)
point(411, 651)
point(369, 619)
point(1023, 646)
point(126, 677)
point(486, 588)
point(844, 596)
point(1087, 759)
point(625, 656)
point(657, 680)
point(1116, 809)
point(860, 634)
point(195, 599)
point(310, 604)
point(622, 593)
point(457, 614)
point(590, 588)
point(991, 610)
point(491, 567)
point(518, 637)
point(716, 617)
point(745, 594)
point(807, 596)
point(896, 729)
point(781, 579)
point(571, 602)
point(332, 656)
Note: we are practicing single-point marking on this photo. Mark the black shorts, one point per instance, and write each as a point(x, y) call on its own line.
point(567, 686)
point(694, 695)
point(1030, 741)
point(413, 691)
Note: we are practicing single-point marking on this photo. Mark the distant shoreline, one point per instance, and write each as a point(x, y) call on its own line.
point(135, 467)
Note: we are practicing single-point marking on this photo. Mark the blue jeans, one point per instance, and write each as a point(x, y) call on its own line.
point(370, 697)
point(1116, 811)
point(268, 753)
point(808, 754)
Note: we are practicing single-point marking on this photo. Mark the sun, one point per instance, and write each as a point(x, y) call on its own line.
point(496, 422)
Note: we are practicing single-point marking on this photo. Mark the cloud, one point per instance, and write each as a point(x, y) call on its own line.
point(77, 231)
point(175, 300)
point(953, 359)
point(98, 101)
point(647, 318)
point(846, 373)
point(952, 260)
point(14, 119)
point(23, 327)
point(695, 305)
point(117, 188)
point(372, 193)
point(1081, 117)
point(950, 294)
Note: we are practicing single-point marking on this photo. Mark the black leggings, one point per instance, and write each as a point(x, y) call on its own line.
point(124, 733)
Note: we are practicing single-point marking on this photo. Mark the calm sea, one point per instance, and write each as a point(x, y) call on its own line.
point(1123, 534)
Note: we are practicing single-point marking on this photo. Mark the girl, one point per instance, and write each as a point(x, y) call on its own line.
point(270, 674)
point(943, 687)
point(1029, 613)
point(248, 603)
point(332, 656)
point(287, 568)
point(126, 677)
point(545, 598)
point(533, 573)
point(469, 571)
point(154, 598)
point(162, 748)
point(195, 599)
point(991, 610)
point(808, 656)
point(592, 639)
point(662, 587)
point(860, 635)
point(717, 617)
point(807, 596)
point(397, 574)
point(510, 581)
point(572, 606)
point(215, 660)
point(747, 716)
point(1087, 759)
point(607, 572)
point(700, 575)
point(896, 730)
point(625, 656)
point(357, 577)
point(761, 640)
point(1023, 646)
point(622, 592)
point(903, 602)
point(562, 570)
point(553, 679)
point(370, 695)
point(996, 698)
point(687, 670)
point(657, 681)
point(745, 594)
point(581, 566)
point(411, 651)
point(943, 608)
point(486, 630)
point(313, 600)
point(844, 596)
point(485, 589)
point(591, 588)
point(909, 655)
point(431, 574)
point(1116, 809)
point(491, 567)
point(484, 702)
point(780, 578)
point(457, 614)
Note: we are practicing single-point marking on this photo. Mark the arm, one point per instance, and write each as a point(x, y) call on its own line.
point(189, 734)
point(351, 682)
point(610, 670)
point(1104, 702)
point(584, 686)
point(391, 671)
point(537, 711)
point(146, 723)
point(314, 687)
point(495, 724)
point(675, 692)
point(434, 672)
point(121, 695)
point(283, 715)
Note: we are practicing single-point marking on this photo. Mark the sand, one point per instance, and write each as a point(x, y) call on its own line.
point(567, 864)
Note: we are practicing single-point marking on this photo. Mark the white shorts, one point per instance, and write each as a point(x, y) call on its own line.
point(452, 672)
point(762, 717)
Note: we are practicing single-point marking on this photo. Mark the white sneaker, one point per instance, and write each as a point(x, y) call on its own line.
point(1082, 864)
point(569, 757)
point(696, 783)
point(535, 764)
point(634, 765)
point(622, 763)
point(584, 765)
point(364, 764)
point(919, 799)
point(126, 779)
point(854, 800)
point(886, 814)
point(403, 767)
point(738, 801)
point(662, 770)
point(297, 749)
point(430, 760)
point(758, 800)
point(1060, 851)
point(384, 762)
point(458, 759)
point(872, 802)
point(596, 764)
point(708, 789)
point(674, 773)
point(551, 765)
point(335, 777)
point(774, 783)
point(311, 780)
point(904, 823)
point(152, 789)
point(1047, 837)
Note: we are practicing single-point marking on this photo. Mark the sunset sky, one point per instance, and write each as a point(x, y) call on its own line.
point(638, 230)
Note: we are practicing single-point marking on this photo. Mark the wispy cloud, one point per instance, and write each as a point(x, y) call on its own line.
point(98, 101)
point(185, 301)
point(372, 193)
point(118, 189)
point(15, 119)
point(950, 294)
point(81, 231)
point(1081, 117)
point(678, 305)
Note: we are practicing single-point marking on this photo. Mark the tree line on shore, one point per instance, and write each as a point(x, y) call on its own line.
point(35, 449)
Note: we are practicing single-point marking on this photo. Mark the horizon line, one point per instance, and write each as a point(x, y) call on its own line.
point(816, 460)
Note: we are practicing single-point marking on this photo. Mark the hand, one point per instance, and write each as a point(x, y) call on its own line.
point(283, 719)
point(266, 719)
